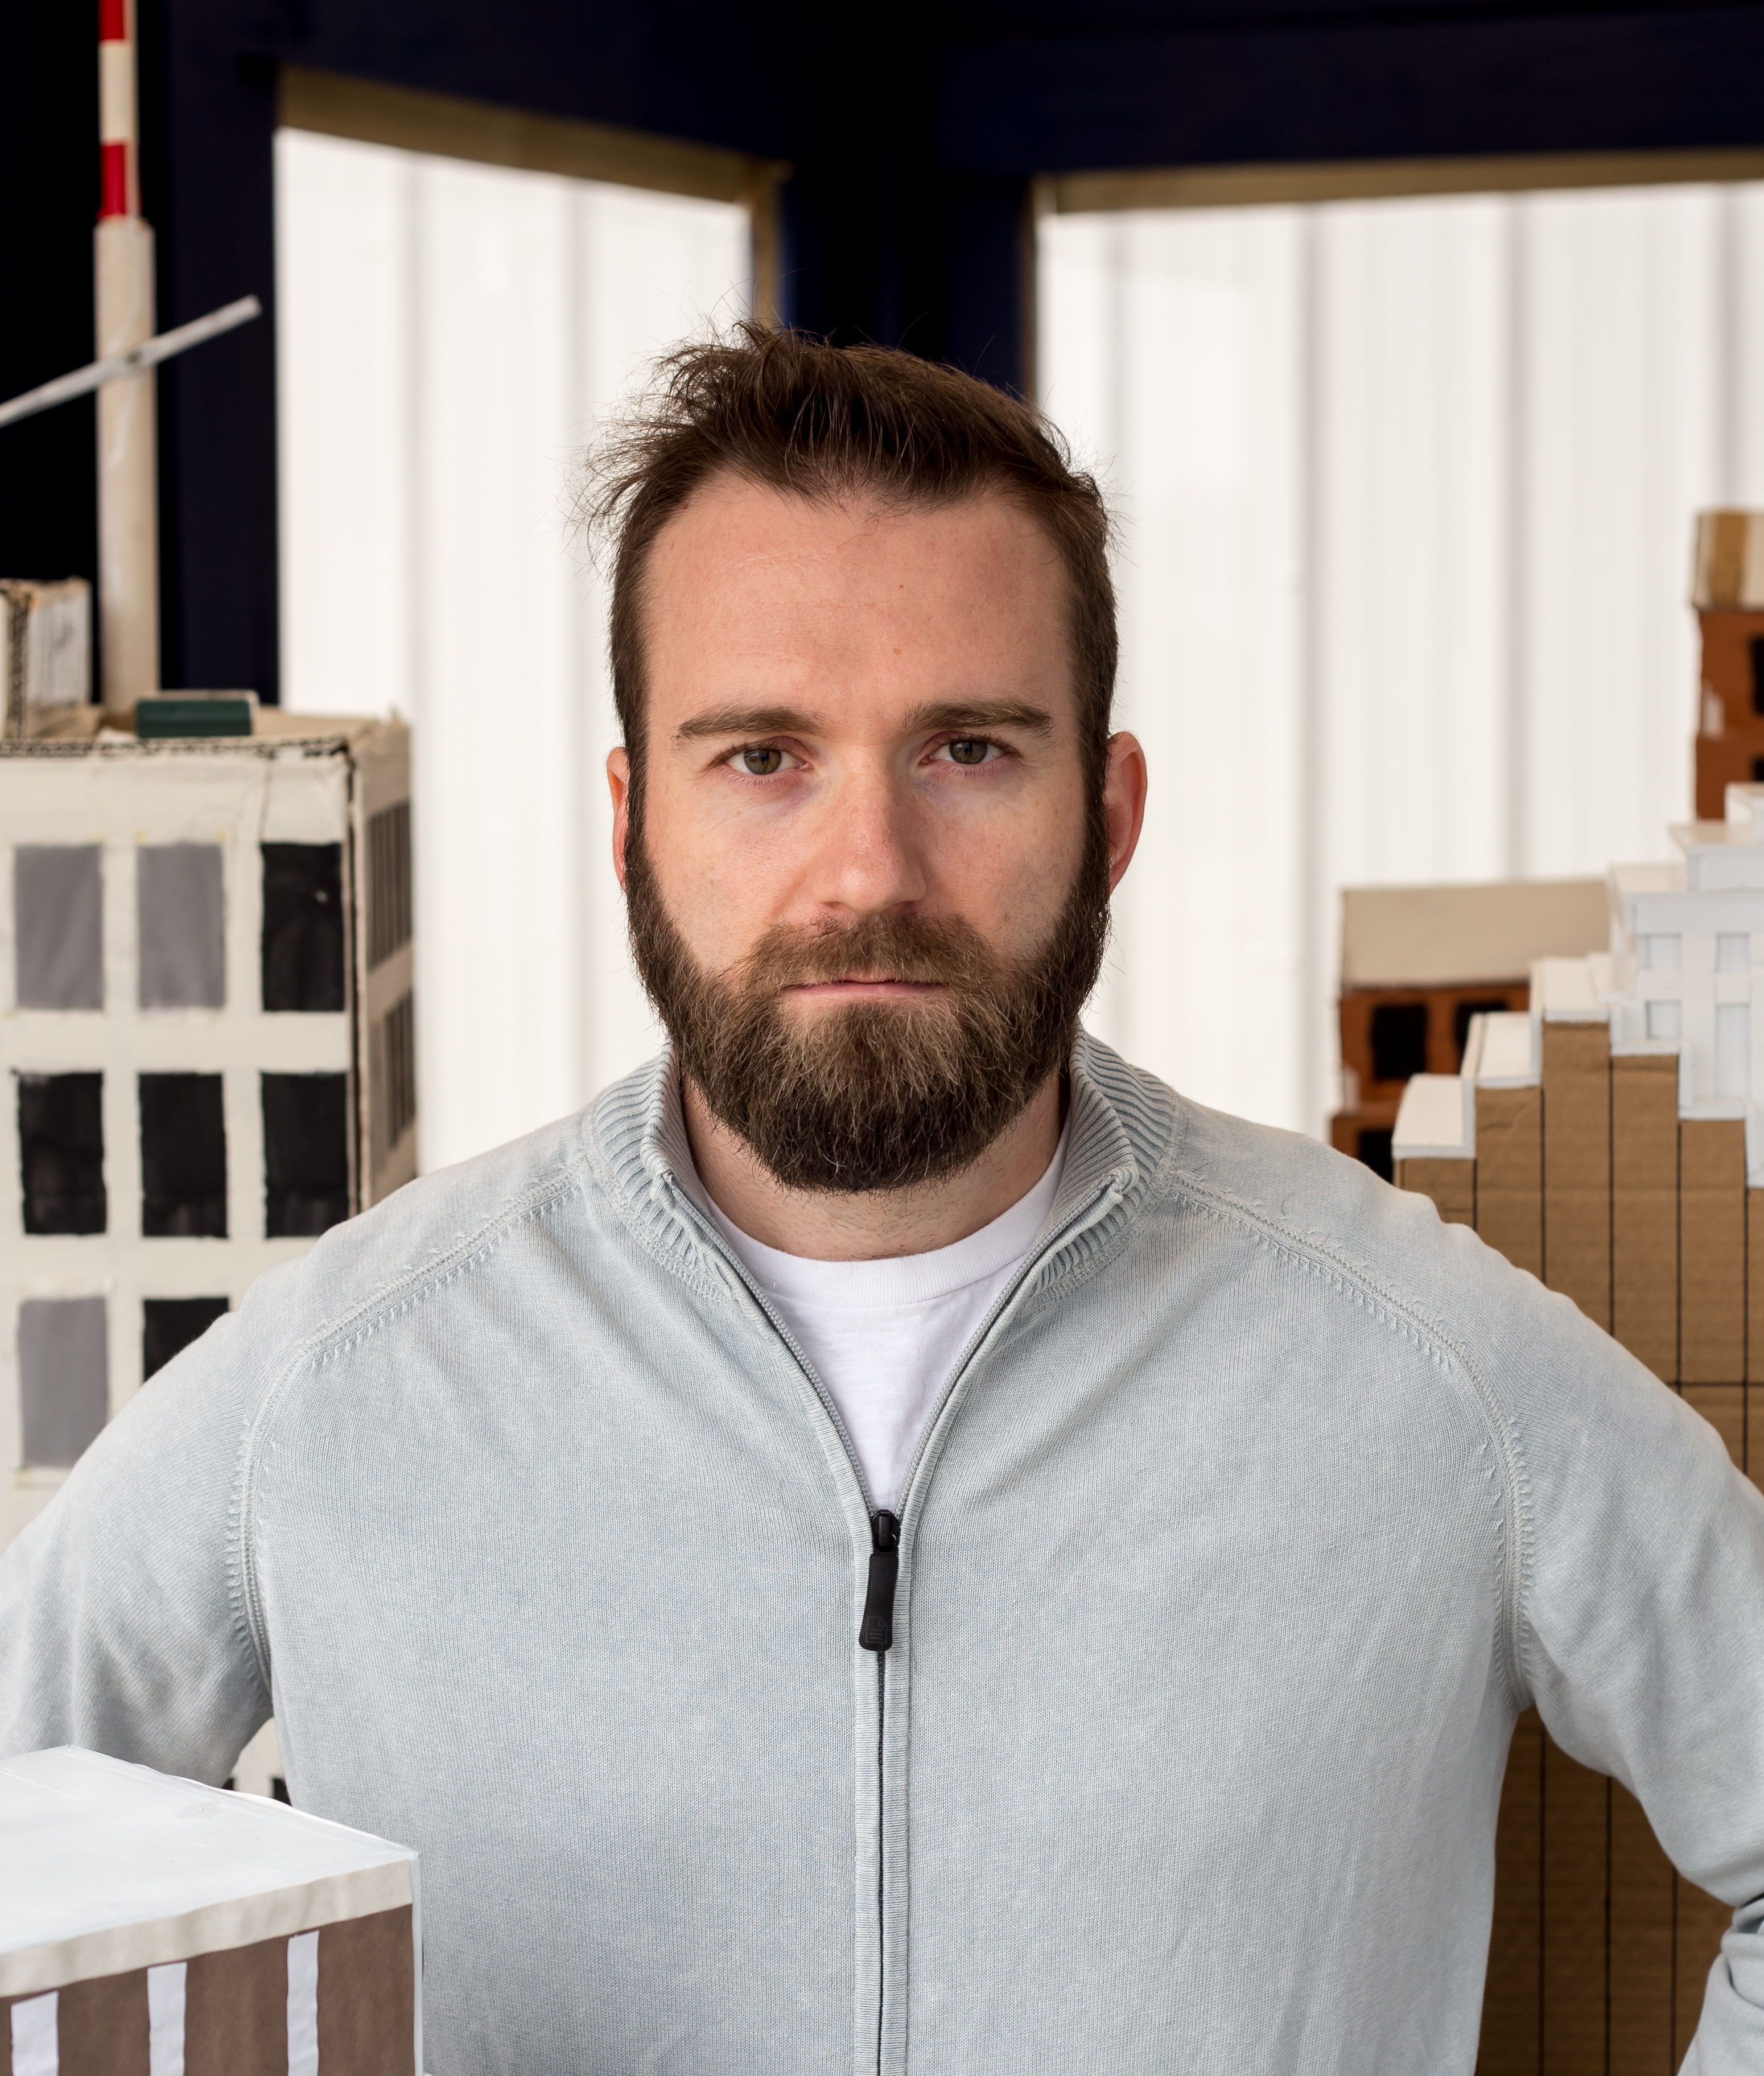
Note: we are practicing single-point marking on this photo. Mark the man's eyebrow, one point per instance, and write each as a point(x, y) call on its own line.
point(979, 713)
point(747, 721)
point(938, 714)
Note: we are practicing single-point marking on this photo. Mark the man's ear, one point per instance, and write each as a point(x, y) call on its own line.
point(618, 779)
point(1124, 786)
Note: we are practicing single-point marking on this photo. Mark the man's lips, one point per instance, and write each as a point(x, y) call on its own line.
point(864, 991)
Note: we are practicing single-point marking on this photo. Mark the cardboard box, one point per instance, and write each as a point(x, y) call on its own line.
point(1645, 1209)
point(1509, 1173)
point(1723, 1406)
point(255, 1941)
point(1577, 1165)
point(1712, 1251)
point(1576, 1870)
point(1701, 1920)
point(1452, 1185)
point(1642, 1943)
point(1511, 2004)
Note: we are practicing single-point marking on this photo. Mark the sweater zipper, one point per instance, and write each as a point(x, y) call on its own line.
point(876, 1630)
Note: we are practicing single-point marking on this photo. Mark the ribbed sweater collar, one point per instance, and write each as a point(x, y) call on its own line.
point(1122, 1122)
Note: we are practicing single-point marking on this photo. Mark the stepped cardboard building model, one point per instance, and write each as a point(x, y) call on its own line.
point(152, 1927)
point(1612, 1142)
point(1418, 963)
point(206, 1036)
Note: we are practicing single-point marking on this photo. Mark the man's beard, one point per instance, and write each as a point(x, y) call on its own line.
point(879, 1095)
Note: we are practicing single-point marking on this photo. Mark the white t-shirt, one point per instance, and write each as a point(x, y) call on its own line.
point(884, 1335)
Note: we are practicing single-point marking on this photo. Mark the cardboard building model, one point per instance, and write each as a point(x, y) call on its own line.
point(206, 1032)
point(1612, 1142)
point(1418, 963)
point(1728, 591)
point(152, 1927)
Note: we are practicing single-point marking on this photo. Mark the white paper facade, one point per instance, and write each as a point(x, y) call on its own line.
point(1686, 958)
point(137, 1904)
point(206, 1027)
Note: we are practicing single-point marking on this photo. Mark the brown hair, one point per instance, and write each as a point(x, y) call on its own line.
point(819, 422)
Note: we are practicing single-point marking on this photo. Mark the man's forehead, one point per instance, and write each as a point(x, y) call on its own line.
point(738, 529)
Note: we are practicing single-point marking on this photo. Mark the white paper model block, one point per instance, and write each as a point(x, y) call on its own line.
point(152, 1927)
point(206, 1045)
point(45, 652)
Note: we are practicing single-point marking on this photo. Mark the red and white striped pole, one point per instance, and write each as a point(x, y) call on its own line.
point(128, 475)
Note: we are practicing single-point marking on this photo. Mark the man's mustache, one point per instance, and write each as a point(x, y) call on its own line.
point(933, 950)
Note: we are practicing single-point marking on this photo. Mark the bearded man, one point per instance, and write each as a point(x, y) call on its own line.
point(894, 1542)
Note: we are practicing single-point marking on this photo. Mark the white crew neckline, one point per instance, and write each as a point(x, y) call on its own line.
point(903, 1279)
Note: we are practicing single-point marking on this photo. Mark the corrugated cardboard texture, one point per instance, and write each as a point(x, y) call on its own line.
point(1452, 1184)
point(1577, 1165)
point(1644, 1210)
point(1701, 1921)
point(1509, 1173)
point(1712, 1251)
point(1576, 1832)
point(1641, 1879)
point(366, 1995)
point(1511, 2007)
point(1434, 936)
point(1723, 1406)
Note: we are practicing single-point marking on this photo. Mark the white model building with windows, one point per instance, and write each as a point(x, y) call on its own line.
point(1687, 954)
point(207, 1031)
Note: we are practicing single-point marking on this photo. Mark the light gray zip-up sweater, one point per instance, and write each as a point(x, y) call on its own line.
point(1257, 1513)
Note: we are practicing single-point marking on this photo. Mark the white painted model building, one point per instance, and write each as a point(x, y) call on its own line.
point(206, 1032)
point(1687, 954)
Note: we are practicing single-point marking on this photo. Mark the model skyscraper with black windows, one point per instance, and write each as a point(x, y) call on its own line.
point(207, 1034)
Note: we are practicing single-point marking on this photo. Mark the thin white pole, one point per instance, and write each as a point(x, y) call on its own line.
point(128, 463)
point(139, 358)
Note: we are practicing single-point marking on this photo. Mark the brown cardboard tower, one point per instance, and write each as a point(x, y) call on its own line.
point(1608, 1142)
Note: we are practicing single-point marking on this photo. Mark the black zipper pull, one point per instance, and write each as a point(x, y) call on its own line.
point(877, 1631)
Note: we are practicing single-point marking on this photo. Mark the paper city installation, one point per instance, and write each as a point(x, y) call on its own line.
point(1611, 1141)
point(1417, 964)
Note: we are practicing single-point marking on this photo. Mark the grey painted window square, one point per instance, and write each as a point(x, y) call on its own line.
point(183, 926)
point(63, 1373)
point(58, 925)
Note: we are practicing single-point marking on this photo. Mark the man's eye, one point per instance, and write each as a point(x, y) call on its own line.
point(969, 751)
point(763, 762)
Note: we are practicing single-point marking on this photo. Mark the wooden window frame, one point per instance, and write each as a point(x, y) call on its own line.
point(446, 125)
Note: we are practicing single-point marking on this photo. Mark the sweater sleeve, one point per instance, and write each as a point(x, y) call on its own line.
point(1642, 1626)
point(122, 1625)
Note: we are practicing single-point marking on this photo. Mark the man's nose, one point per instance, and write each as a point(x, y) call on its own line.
point(869, 857)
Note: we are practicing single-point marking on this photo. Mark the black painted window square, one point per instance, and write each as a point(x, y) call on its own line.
point(1375, 1150)
point(170, 1324)
point(183, 1158)
point(61, 1153)
point(305, 1154)
point(1399, 1040)
point(1492, 1005)
point(1755, 648)
point(303, 926)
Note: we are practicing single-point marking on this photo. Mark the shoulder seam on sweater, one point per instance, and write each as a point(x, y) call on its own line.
point(398, 1294)
point(1410, 1323)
